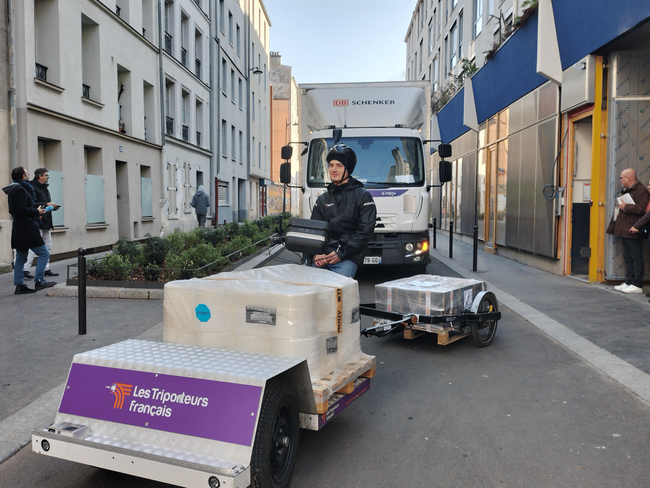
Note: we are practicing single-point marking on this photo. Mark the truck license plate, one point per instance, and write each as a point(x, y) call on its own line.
point(372, 260)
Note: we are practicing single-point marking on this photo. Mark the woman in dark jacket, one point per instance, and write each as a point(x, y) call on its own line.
point(25, 234)
point(350, 211)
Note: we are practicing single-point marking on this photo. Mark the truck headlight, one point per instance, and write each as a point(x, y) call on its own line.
point(409, 247)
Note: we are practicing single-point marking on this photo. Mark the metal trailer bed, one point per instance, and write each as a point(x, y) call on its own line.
point(480, 321)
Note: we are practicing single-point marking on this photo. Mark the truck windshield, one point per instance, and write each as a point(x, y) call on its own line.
point(381, 161)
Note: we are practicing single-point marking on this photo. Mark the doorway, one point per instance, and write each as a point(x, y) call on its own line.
point(580, 176)
point(122, 189)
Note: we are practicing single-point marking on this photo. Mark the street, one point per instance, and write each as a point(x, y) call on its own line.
point(524, 411)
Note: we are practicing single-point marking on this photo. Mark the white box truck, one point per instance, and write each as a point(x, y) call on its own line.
point(387, 125)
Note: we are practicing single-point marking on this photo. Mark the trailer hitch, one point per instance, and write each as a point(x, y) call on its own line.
point(382, 329)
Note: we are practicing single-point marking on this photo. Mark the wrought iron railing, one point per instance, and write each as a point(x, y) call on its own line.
point(85, 91)
point(169, 125)
point(168, 43)
point(184, 56)
point(186, 133)
point(198, 138)
point(41, 72)
point(197, 69)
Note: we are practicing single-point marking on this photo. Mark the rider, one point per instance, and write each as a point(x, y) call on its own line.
point(350, 211)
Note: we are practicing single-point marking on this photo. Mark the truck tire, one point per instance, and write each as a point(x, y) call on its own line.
point(276, 440)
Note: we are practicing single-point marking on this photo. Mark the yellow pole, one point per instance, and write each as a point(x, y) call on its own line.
point(597, 221)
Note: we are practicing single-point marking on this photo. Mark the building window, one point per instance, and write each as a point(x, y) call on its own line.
point(224, 79)
point(172, 189)
point(223, 193)
point(169, 107)
point(238, 46)
point(222, 21)
point(230, 29)
point(241, 147)
point(232, 85)
point(46, 37)
point(224, 138)
point(241, 94)
point(146, 191)
point(233, 142)
point(94, 185)
point(478, 17)
point(187, 186)
point(199, 122)
point(185, 97)
point(453, 54)
point(90, 59)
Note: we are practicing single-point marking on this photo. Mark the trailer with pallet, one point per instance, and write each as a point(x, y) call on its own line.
point(452, 308)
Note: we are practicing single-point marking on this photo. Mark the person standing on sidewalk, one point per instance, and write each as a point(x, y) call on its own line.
point(25, 234)
point(632, 242)
point(40, 185)
point(201, 203)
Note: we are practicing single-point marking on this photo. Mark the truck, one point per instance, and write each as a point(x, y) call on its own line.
point(387, 126)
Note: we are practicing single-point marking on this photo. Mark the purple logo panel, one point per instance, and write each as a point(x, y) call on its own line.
point(203, 408)
point(386, 193)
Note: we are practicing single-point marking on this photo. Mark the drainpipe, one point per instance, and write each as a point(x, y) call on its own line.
point(13, 138)
point(163, 169)
point(214, 160)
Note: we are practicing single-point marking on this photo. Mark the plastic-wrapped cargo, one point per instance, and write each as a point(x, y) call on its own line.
point(288, 310)
point(427, 295)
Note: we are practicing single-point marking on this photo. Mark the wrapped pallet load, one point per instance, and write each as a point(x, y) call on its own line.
point(288, 310)
point(427, 295)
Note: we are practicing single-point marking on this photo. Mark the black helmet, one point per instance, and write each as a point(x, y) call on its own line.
point(345, 155)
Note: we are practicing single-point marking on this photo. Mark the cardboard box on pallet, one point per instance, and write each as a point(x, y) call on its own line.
point(427, 295)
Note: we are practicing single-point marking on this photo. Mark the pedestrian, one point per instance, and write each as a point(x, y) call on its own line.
point(350, 211)
point(625, 216)
point(25, 233)
point(40, 185)
point(201, 203)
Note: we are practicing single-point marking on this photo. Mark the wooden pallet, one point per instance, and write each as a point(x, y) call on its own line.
point(443, 334)
point(343, 383)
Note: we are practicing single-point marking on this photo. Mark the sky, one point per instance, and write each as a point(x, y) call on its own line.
point(330, 41)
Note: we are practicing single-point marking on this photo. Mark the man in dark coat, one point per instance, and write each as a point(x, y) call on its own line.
point(40, 185)
point(627, 215)
point(350, 211)
point(25, 234)
point(201, 203)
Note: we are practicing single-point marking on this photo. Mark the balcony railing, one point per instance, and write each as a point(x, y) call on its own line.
point(197, 69)
point(168, 43)
point(198, 138)
point(85, 91)
point(184, 56)
point(186, 133)
point(118, 11)
point(41, 72)
point(169, 125)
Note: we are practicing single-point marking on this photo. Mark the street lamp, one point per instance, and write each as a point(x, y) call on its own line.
point(256, 70)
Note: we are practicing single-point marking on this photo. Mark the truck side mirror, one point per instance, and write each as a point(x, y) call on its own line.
point(286, 152)
point(285, 171)
point(444, 151)
point(444, 171)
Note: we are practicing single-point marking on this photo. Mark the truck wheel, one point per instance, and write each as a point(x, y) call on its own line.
point(485, 335)
point(276, 440)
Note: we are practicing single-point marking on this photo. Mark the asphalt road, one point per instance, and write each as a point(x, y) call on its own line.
point(523, 412)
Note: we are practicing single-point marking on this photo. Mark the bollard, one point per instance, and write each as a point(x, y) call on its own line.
point(435, 224)
point(451, 239)
point(81, 290)
point(475, 258)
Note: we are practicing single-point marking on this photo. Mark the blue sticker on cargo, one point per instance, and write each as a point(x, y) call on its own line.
point(202, 312)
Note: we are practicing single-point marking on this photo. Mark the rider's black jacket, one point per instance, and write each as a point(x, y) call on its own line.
point(351, 213)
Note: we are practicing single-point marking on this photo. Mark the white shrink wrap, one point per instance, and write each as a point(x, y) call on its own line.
point(329, 336)
point(427, 295)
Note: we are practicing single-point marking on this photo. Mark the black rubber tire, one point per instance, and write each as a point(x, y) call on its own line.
point(485, 336)
point(276, 440)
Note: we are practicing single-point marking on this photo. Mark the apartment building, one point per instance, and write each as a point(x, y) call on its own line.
point(87, 85)
point(186, 98)
point(541, 130)
point(241, 127)
point(285, 115)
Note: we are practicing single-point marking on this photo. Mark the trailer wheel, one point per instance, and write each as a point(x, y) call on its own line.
point(276, 441)
point(484, 335)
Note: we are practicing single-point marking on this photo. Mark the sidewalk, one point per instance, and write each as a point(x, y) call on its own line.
point(609, 329)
